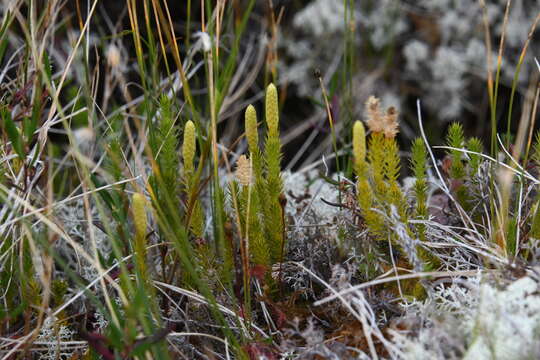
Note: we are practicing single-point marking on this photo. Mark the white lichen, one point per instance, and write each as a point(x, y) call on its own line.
point(51, 337)
point(321, 17)
point(477, 320)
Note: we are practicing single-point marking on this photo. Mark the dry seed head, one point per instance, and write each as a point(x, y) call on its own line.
point(359, 142)
point(203, 41)
point(379, 122)
point(243, 171)
point(139, 214)
point(84, 135)
point(391, 125)
point(505, 178)
point(188, 148)
point(252, 134)
point(85, 139)
point(375, 118)
point(272, 117)
point(113, 56)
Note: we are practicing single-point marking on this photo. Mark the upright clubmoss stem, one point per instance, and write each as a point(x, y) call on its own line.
point(359, 147)
point(272, 111)
point(194, 216)
point(259, 244)
point(273, 167)
point(188, 148)
point(141, 222)
point(252, 134)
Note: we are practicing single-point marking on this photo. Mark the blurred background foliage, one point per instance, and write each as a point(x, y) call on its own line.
point(401, 51)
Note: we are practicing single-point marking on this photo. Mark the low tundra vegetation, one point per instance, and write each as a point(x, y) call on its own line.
point(129, 227)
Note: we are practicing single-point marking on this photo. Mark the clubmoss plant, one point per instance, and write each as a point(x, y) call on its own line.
point(462, 168)
point(252, 132)
point(250, 207)
point(261, 197)
point(194, 214)
point(141, 222)
point(259, 244)
point(457, 171)
point(373, 219)
point(188, 148)
point(456, 139)
point(272, 155)
point(166, 147)
point(163, 156)
point(476, 147)
point(420, 190)
point(359, 148)
point(381, 201)
point(256, 156)
point(378, 184)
